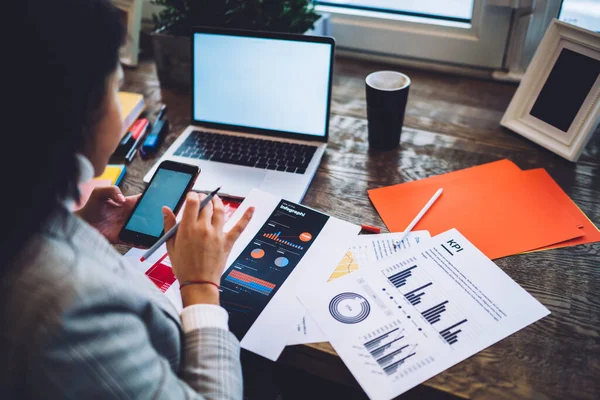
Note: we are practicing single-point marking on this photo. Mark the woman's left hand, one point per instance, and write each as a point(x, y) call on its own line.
point(107, 210)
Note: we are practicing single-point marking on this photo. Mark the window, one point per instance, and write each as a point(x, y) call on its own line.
point(461, 32)
point(457, 10)
point(583, 13)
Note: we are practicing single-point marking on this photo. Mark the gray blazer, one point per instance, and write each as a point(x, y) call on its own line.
point(78, 322)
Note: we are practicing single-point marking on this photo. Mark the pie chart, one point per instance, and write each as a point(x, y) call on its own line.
point(281, 262)
point(257, 253)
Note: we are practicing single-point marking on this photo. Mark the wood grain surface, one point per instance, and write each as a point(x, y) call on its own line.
point(451, 123)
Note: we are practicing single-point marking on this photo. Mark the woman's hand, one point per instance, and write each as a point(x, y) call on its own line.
point(107, 210)
point(199, 250)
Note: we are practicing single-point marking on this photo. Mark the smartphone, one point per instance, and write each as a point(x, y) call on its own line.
point(168, 187)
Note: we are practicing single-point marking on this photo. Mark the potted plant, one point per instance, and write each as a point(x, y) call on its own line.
point(174, 23)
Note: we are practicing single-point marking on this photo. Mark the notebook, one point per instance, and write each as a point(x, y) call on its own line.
point(113, 173)
point(132, 105)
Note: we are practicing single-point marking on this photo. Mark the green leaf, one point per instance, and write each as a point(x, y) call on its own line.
point(179, 16)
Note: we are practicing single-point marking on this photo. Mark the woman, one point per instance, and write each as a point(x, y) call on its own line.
point(78, 322)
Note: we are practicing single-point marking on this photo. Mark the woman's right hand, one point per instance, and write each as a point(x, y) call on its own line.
point(199, 250)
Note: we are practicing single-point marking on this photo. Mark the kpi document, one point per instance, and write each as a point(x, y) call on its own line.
point(410, 316)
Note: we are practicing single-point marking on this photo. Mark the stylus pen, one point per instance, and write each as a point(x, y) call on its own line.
point(419, 216)
point(173, 230)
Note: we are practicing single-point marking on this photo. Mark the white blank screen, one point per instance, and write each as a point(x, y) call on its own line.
point(261, 83)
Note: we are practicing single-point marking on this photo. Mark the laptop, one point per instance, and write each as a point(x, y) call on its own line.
point(260, 111)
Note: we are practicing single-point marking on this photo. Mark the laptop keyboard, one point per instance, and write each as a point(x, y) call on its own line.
point(250, 152)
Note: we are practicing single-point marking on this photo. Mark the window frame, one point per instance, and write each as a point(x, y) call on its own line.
point(422, 38)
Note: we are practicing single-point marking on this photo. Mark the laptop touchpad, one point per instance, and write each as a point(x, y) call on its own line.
point(234, 180)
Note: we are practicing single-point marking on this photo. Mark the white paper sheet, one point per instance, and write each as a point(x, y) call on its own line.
point(365, 249)
point(411, 316)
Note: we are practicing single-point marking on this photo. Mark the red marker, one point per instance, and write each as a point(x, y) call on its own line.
point(369, 228)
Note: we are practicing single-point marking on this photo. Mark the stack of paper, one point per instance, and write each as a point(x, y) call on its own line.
point(499, 208)
point(401, 320)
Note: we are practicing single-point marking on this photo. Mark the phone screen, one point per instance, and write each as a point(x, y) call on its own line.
point(166, 189)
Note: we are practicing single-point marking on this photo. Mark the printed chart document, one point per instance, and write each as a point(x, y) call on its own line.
point(365, 249)
point(285, 247)
point(415, 314)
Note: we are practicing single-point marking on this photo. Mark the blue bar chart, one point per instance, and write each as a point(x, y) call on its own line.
point(450, 335)
point(414, 296)
point(422, 291)
point(399, 279)
point(432, 315)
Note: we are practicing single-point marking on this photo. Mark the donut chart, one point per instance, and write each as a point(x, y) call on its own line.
point(349, 308)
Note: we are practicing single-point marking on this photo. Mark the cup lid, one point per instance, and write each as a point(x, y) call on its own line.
point(387, 80)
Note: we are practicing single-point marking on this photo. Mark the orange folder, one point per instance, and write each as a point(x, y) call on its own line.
point(498, 208)
point(591, 233)
point(496, 170)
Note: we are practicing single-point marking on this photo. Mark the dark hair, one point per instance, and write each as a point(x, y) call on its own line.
point(57, 82)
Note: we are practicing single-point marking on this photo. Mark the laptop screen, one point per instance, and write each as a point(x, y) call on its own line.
point(262, 83)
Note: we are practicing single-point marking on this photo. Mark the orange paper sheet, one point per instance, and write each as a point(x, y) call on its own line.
point(591, 233)
point(496, 206)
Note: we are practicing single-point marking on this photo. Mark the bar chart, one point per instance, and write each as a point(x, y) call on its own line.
point(423, 292)
point(432, 315)
point(276, 237)
point(390, 347)
point(249, 282)
point(450, 335)
point(399, 278)
point(414, 296)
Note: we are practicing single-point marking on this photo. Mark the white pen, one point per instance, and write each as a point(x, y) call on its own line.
point(419, 216)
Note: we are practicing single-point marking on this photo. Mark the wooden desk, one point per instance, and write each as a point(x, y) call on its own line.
point(458, 121)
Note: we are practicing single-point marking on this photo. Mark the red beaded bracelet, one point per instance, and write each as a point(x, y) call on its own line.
point(185, 283)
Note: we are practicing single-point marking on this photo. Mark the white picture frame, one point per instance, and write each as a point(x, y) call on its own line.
point(525, 114)
point(132, 17)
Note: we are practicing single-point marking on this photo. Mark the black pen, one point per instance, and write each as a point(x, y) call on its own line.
point(161, 113)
